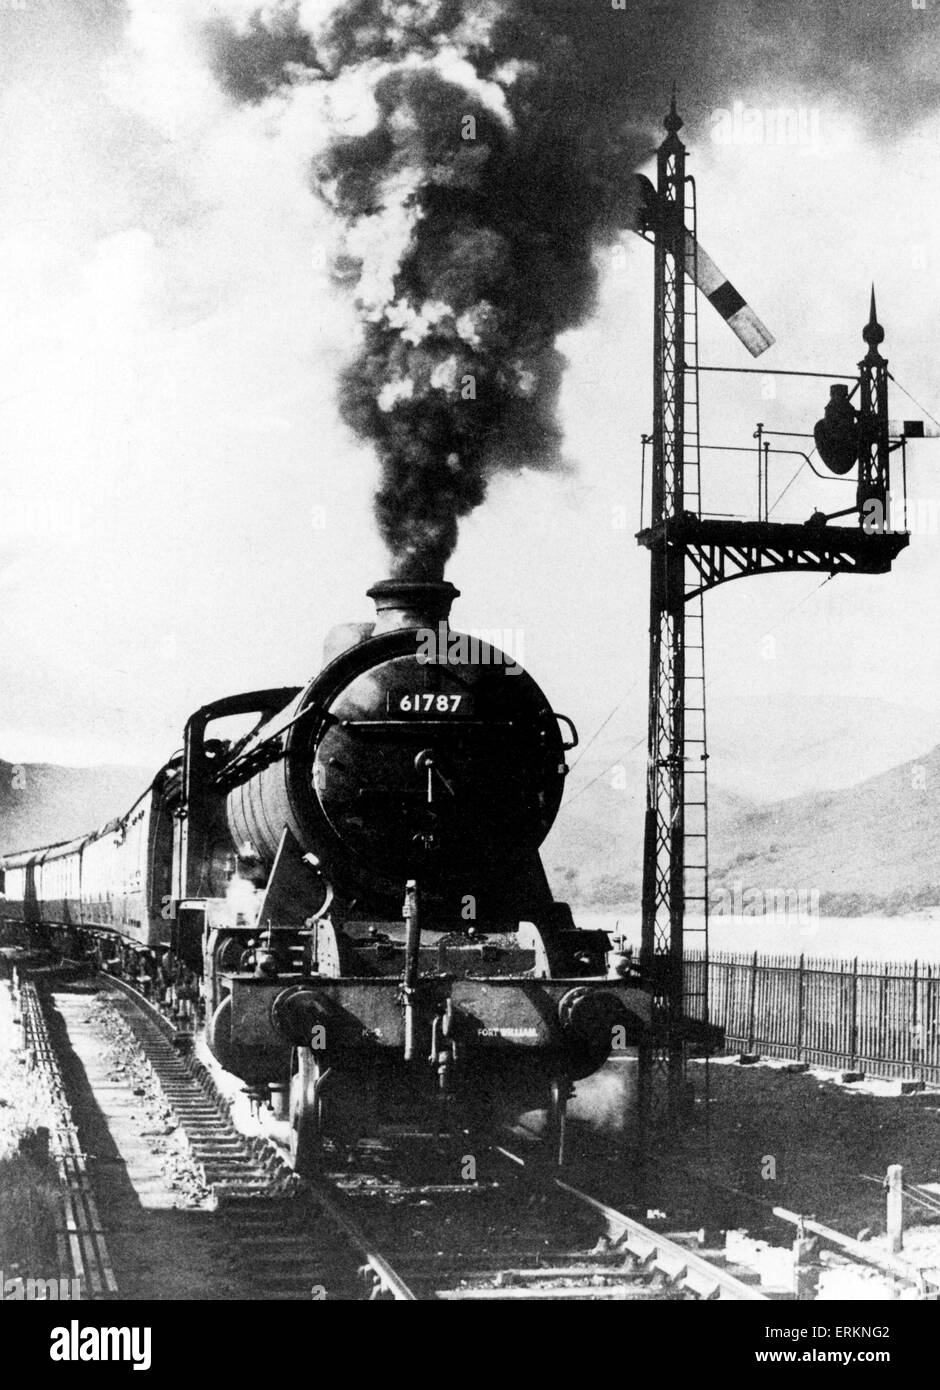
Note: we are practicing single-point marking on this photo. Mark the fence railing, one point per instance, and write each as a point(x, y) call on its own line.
point(880, 1017)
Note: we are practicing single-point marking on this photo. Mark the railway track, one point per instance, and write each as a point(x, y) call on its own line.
point(395, 1223)
point(395, 1220)
point(81, 1242)
point(519, 1233)
point(418, 1240)
point(275, 1227)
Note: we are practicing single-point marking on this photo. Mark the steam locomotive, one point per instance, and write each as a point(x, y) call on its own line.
point(352, 891)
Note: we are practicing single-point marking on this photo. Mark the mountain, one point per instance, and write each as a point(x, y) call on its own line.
point(872, 847)
point(41, 803)
point(776, 746)
point(594, 853)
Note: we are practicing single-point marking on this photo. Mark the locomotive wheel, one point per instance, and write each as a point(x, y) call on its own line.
point(306, 1112)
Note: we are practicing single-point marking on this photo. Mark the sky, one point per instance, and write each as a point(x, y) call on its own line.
point(184, 512)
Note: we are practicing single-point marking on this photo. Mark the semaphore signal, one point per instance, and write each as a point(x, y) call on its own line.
point(692, 552)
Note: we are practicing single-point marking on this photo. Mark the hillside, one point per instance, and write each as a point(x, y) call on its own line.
point(776, 746)
point(873, 847)
point(594, 853)
point(41, 803)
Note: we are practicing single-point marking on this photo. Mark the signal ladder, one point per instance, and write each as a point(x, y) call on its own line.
point(695, 749)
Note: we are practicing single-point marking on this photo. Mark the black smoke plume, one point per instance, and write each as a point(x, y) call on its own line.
point(492, 156)
point(473, 205)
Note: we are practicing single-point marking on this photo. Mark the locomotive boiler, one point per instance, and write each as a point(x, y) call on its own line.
point(353, 893)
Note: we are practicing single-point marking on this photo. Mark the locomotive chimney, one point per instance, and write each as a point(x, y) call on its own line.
point(409, 603)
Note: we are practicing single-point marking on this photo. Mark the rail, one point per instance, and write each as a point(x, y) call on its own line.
point(81, 1243)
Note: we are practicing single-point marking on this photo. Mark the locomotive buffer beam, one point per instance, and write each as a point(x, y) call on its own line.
point(722, 550)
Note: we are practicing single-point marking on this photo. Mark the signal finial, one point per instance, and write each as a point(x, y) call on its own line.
point(873, 333)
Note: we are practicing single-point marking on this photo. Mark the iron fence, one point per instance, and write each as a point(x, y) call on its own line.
point(880, 1017)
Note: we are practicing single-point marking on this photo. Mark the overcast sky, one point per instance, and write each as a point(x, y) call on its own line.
point(183, 513)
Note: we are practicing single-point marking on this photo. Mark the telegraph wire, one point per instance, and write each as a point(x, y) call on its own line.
point(600, 729)
point(615, 763)
point(642, 739)
point(913, 398)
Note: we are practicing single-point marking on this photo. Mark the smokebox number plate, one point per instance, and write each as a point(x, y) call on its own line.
point(425, 704)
